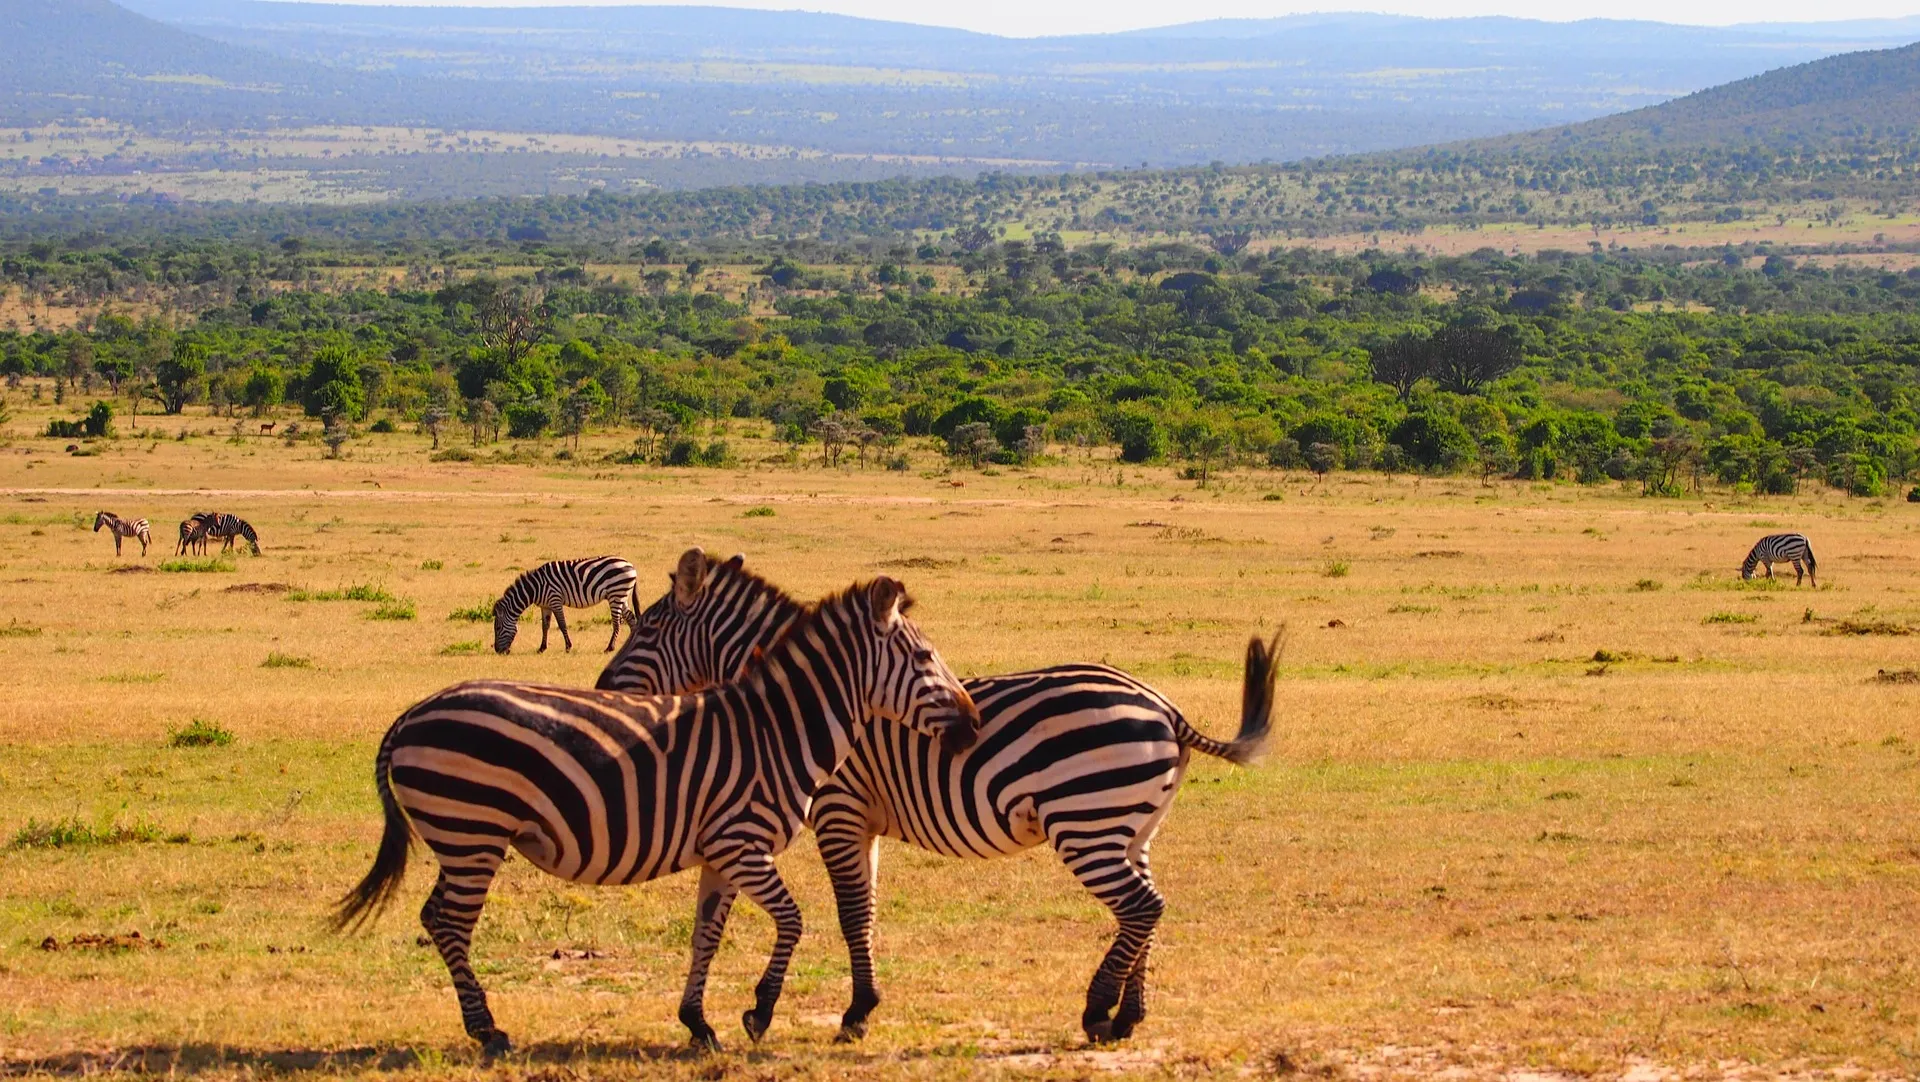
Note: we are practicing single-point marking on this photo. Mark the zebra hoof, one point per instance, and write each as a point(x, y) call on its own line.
point(1123, 1027)
point(704, 1040)
point(1100, 1032)
point(851, 1033)
point(755, 1025)
point(494, 1044)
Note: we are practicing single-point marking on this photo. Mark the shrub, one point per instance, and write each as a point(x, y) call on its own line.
point(526, 420)
point(1140, 435)
point(200, 733)
point(682, 452)
point(401, 609)
point(383, 426)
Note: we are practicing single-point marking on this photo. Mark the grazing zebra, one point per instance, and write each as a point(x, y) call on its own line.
point(192, 537)
point(1780, 548)
point(123, 529)
point(564, 584)
point(606, 787)
point(222, 525)
point(1082, 757)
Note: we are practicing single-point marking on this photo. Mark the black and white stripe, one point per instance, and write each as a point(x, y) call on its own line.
point(192, 537)
point(219, 525)
point(559, 586)
point(1082, 757)
point(1781, 548)
point(606, 787)
point(123, 529)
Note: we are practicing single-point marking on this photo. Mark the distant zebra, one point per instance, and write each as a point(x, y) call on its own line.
point(122, 529)
point(222, 525)
point(606, 787)
point(1780, 548)
point(1083, 757)
point(564, 584)
point(192, 537)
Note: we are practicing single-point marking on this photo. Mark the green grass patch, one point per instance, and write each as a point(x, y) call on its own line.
point(1646, 586)
point(461, 649)
point(200, 733)
point(198, 564)
point(1336, 569)
point(1868, 627)
point(278, 660)
point(398, 609)
point(73, 833)
point(133, 678)
point(474, 614)
point(362, 592)
point(431, 565)
point(17, 630)
point(758, 512)
point(1731, 618)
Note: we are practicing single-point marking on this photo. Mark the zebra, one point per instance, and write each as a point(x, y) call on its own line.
point(192, 537)
point(1083, 757)
point(222, 525)
point(560, 584)
point(1782, 548)
point(610, 788)
point(123, 529)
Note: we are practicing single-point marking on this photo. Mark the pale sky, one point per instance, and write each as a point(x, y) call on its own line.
point(1026, 18)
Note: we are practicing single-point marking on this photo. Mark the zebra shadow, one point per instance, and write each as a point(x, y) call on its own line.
point(204, 1058)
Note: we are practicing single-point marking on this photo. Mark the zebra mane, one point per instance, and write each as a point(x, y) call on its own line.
point(810, 613)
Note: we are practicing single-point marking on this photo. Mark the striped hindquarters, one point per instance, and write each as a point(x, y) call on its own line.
point(1778, 548)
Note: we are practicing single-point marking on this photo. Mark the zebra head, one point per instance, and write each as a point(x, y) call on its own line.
point(702, 631)
point(911, 683)
point(99, 520)
point(506, 621)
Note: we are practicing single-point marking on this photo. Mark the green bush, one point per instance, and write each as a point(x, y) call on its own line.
point(199, 733)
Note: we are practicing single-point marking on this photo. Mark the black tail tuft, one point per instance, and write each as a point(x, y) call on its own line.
point(366, 900)
point(1256, 698)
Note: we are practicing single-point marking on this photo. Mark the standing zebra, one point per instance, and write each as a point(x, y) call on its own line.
point(192, 537)
point(562, 584)
point(1082, 757)
point(606, 787)
point(1780, 548)
point(222, 525)
point(123, 529)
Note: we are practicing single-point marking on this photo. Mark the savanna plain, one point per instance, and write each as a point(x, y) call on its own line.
point(1552, 793)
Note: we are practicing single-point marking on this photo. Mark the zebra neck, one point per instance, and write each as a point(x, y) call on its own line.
point(760, 631)
point(813, 687)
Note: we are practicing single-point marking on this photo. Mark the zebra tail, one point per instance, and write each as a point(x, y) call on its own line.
point(382, 881)
point(1256, 707)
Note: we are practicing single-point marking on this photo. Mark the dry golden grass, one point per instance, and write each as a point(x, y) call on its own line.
point(1479, 846)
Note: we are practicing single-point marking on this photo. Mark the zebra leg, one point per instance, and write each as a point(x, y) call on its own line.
point(709, 924)
point(116, 546)
point(449, 916)
point(1798, 573)
point(616, 609)
point(560, 617)
point(851, 852)
point(1102, 867)
point(753, 874)
point(546, 621)
point(1133, 995)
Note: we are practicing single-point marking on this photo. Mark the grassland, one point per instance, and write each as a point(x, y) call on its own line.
point(1537, 808)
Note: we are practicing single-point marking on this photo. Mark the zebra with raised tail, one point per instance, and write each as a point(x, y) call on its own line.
point(1082, 757)
point(564, 584)
point(605, 787)
point(122, 529)
point(1781, 548)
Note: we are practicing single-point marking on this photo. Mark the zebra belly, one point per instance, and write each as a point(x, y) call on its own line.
point(1028, 774)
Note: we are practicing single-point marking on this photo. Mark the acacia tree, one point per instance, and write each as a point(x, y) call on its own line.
point(1467, 358)
point(178, 374)
point(1402, 362)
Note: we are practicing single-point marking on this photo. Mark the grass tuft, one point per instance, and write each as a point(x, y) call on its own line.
point(278, 660)
point(1336, 569)
point(461, 649)
point(1868, 627)
point(361, 592)
point(399, 609)
point(73, 833)
point(200, 733)
point(1646, 586)
point(198, 564)
point(474, 614)
point(17, 630)
point(758, 512)
point(431, 565)
point(1731, 618)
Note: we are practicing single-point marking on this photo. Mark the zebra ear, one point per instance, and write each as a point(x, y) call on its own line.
point(690, 577)
point(884, 596)
point(737, 560)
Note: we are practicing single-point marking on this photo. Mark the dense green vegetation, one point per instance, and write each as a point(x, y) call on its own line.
point(1777, 370)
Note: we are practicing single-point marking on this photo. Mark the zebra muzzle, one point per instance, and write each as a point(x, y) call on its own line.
point(963, 728)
